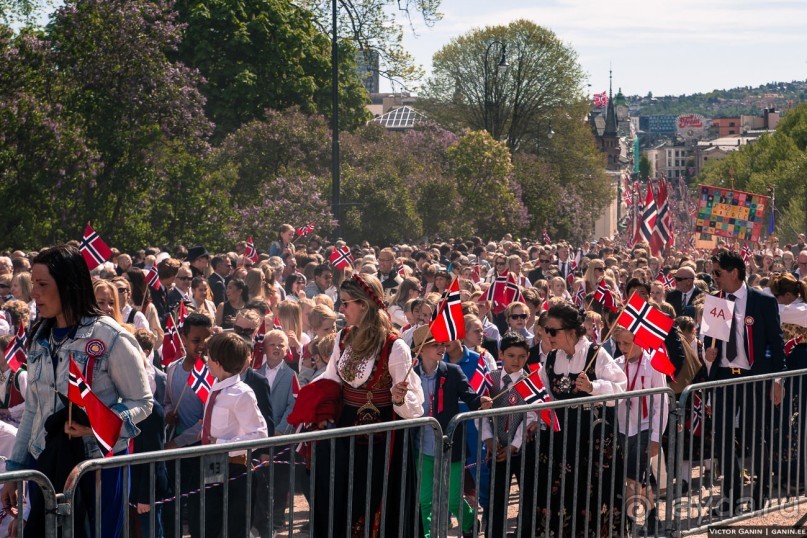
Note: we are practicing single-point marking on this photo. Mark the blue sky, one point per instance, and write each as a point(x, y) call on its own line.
point(664, 46)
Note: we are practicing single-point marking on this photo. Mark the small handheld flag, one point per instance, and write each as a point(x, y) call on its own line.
point(153, 278)
point(341, 258)
point(172, 343)
point(250, 252)
point(15, 352)
point(481, 381)
point(201, 380)
point(305, 230)
point(605, 296)
point(649, 325)
point(448, 323)
point(104, 422)
point(532, 390)
point(93, 248)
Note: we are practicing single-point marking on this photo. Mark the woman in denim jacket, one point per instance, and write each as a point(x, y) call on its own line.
point(72, 326)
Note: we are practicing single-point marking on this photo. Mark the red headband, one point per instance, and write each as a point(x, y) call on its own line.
point(369, 291)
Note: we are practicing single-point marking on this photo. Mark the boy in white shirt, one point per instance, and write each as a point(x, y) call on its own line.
point(641, 422)
point(231, 414)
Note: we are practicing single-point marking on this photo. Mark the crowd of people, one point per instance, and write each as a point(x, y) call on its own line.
point(352, 345)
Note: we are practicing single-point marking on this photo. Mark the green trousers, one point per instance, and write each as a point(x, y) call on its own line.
point(454, 495)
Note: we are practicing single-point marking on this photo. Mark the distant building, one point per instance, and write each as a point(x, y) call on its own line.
point(660, 124)
point(724, 127)
point(718, 149)
point(671, 160)
point(367, 65)
point(400, 119)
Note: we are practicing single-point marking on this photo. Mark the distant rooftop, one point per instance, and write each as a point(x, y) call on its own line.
point(404, 117)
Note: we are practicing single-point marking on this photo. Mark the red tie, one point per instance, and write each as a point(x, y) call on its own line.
point(208, 417)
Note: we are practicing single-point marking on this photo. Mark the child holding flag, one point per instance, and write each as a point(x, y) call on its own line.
point(231, 414)
point(444, 385)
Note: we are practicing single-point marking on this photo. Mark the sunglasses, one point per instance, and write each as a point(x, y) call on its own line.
point(601, 269)
point(245, 332)
point(682, 278)
point(716, 272)
point(553, 332)
point(185, 278)
point(519, 316)
point(543, 261)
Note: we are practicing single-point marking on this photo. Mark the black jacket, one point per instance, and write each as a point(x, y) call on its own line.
point(454, 386)
point(675, 298)
point(260, 386)
point(218, 287)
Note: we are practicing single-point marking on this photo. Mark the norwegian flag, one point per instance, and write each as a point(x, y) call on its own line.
point(570, 276)
point(104, 422)
point(93, 248)
point(789, 345)
point(579, 297)
point(668, 281)
point(660, 361)
point(481, 381)
point(496, 292)
point(649, 325)
point(476, 275)
point(605, 296)
point(648, 220)
point(250, 252)
point(662, 231)
point(512, 292)
point(172, 343)
point(600, 100)
point(547, 240)
point(746, 253)
point(257, 346)
point(153, 278)
point(532, 390)
point(696, 426)
point(401, 271)
point(15, 352)
point(201, 380)
point(182, 315)
point(447, 322)
point(302, 231)
point(341, 258)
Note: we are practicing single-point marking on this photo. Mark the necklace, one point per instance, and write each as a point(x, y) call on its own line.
point(56, 345)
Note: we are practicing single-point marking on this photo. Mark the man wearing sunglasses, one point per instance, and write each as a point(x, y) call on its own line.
point(685, 292)
point(755, 347)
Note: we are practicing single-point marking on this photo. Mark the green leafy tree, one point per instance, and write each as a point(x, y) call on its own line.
point(259, 55)
point(482, 169)
point(469, 88)
point(644, 167)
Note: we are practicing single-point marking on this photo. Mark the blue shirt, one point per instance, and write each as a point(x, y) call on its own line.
point(426, 435)
point(191, 409)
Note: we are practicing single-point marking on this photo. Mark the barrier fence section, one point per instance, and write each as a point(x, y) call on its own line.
point(212, 482)
point(637, 463)
point(590, 476)
point(745, 456)
point(22, 481)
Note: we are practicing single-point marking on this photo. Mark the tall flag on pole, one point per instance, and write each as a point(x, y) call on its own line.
point(302, 231)
point(532, 390)
point(746, 253)
point(648, 219)
point(250, 252)
point(15, 352)
point(93, 248)
point(649, 325)
point(662, 228)
point(600, 100)
point(340, 258)
point(104, 422)
point(448, 323)
point(153, 278)
point(579, 297)
point(182, 314)
point(201, 380)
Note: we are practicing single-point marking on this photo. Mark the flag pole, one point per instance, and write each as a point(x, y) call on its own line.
point(608, 335)
point(519, 380)
point(70, 417)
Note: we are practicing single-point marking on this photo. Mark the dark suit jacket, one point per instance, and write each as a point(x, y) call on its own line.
point(218, 287)
point(150, 439)
point(536, 274)
point(260, 386)
point(454, 388)
point(675, 298)
point(763, 333)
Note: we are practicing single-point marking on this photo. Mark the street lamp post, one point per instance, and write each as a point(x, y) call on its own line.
point(335, 180)
point(488, 103)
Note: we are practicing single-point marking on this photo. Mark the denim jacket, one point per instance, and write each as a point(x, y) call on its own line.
point(118, 379)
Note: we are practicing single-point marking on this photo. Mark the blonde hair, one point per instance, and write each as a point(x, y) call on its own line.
point(254, 281)
point(319, 315)
point(113, 291)
point(291, 317)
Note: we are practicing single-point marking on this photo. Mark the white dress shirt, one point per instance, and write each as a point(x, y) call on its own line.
point(270, 373)
point(236, 416)
point(741, 361)
point(399, 363)
point(641, 375)
point(610, 377)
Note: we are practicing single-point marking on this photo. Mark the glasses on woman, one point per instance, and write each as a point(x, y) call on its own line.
point(244, 332)
point(600, 269)
point(553, 332)
point(519, 316)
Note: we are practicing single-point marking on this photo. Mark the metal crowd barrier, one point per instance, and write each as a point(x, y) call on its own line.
point(52, 507)
point(214, 473)
point(744, 457)
point(571, 482)
point(559, 474)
